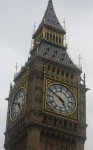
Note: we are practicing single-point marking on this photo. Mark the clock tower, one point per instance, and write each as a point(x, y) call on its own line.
point(47, 103)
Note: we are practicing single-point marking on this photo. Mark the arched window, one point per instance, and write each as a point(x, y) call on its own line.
point(53, 38)
point(62, 41)
point(63, 72)
point(56, 39)
point(50, 37)
point(72, 76)
point(59, 40)
point(49, 67)
point(58, 70)
point(67, 74)
point(47, 36)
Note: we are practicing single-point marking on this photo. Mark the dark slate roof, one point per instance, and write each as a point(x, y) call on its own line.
point(49, 52)
point(50, 19)
point(56, 54)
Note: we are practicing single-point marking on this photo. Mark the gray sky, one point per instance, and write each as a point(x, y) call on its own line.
point(17, 18)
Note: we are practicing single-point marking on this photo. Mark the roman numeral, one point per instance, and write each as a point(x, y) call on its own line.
point(72, 102)
point(51, 101)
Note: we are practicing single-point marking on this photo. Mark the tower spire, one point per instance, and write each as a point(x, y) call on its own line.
point(50, 20)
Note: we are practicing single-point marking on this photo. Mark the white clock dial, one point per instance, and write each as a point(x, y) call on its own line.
point(18, 104)
point(61, 99)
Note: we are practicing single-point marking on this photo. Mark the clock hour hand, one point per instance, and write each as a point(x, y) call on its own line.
point(18, 105)
point(58, 97)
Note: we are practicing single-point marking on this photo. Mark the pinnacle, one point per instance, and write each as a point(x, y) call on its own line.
point(50, 19)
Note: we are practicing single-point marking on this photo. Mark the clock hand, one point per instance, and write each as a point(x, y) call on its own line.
point(59, 99)
point(57, 96)
point(18, 105)
point(65, 107)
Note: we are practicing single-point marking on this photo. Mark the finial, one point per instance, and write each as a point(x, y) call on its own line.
point(65, 37)
point(16, 67)
point(64, 22)
point(80, 65)
point(50, 0)
point(84, 79)
point(34, 27)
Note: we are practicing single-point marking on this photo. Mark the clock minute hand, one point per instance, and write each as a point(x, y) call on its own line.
point(63, 103)
point(65, 107)
point(19, 106)
point(57, 96)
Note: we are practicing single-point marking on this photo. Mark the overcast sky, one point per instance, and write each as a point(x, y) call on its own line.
point(17, 19)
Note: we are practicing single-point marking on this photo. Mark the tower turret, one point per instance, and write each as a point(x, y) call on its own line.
point(50, 29)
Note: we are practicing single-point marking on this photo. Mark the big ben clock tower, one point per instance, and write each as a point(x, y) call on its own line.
point(47, 103)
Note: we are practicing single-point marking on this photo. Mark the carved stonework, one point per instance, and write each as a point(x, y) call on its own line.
point(53, 115)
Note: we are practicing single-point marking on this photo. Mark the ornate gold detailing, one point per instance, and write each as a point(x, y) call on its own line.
point(18, 103)
point(61, 74)
point(21, 82)
point(53, 36)
point(65, 125)
point(46, 108)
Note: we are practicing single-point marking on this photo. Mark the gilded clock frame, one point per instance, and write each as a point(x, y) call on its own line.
point(47, 109)
point(13, 120)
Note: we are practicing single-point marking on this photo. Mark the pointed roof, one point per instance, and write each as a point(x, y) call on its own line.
point(50, 19)
point(56, 54)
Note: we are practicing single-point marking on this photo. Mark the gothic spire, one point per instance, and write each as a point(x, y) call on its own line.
point(50, 19)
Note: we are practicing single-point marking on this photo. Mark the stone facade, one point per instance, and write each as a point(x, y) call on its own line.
point(36, 126)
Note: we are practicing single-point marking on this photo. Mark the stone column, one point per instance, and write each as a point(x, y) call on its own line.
point(80, 144)
point(33, 139)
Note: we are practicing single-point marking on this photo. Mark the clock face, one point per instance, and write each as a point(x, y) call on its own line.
point(61, 99)
point(18, 104)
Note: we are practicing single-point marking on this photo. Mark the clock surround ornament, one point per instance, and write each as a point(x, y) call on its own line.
point(61, 100)
point(18, 105)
